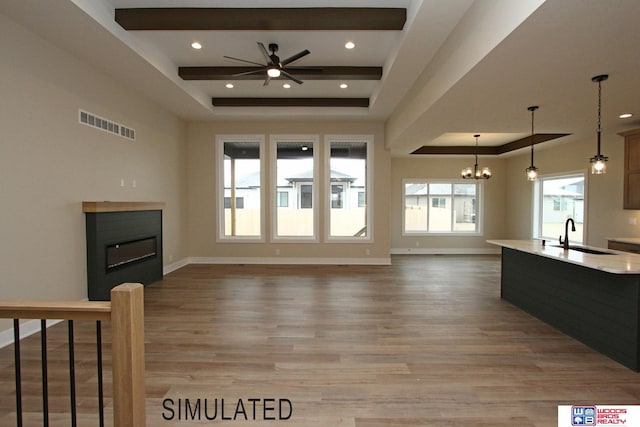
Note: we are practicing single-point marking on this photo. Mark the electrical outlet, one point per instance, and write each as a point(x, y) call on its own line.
point(633, 220)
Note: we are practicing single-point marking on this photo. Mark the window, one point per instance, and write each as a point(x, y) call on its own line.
point(438, 202)
point(441, 207)
point(337, 194)
point(348, 207)
point(239, 202)
point(557, 198)
point(240, 187)
point(306, 196)
point(283, 199)
point(294, 213)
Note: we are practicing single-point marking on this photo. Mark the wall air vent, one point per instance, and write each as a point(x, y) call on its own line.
point(106, 125)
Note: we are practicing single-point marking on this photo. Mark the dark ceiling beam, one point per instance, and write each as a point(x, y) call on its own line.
point(491, 150)
point(290, 102)
point(526, 141)
point(305, 73)
point(265, 19)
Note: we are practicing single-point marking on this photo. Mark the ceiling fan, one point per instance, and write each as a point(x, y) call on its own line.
point(274, 67)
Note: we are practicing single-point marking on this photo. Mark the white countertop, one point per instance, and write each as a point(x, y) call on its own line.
point(618, 263)
point(632, 240)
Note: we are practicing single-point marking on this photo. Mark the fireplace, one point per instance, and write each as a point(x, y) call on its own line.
point(124, 244)
point(125, 253)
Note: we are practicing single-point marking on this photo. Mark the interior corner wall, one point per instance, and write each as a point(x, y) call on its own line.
point(605, 216)
point(448, 168)
point(49, 164)
point(202, 188)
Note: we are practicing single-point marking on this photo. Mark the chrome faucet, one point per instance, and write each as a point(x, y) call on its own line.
point(565, 244)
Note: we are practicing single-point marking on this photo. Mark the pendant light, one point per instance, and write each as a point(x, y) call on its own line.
point(475, 172)
point(532, 171)
point(599, 162)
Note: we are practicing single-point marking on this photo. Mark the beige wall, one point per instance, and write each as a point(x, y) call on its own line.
point(448, 167)
point(202, 193)
point(605, 216)
point(49, 164)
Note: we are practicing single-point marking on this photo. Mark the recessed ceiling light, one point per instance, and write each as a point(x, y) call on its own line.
point(344, 86)
point(286, 86)
point(229, 85)
point(625, 115)
point(196, 45)
point(349, 45)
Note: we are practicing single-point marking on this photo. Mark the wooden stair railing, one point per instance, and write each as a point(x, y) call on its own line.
point(125, 311)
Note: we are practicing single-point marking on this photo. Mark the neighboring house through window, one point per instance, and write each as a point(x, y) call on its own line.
point(441, 207)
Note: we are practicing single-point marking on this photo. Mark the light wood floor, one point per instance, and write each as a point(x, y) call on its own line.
point(424, 342)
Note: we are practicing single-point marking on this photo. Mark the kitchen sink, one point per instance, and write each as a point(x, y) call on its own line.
point(586, 250)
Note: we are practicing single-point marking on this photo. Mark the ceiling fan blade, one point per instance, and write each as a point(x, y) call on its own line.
point(265, 53)
point(295, 57)
point(244, 60)
point(290, 77)
point(267, 80)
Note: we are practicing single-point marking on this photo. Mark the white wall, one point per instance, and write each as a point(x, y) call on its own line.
point(49, 164)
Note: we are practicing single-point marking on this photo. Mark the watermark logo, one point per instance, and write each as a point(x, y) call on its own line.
point(217, 409)
point(598, 415)
point(583, 415)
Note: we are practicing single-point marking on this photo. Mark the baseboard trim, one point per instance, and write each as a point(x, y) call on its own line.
point(27, 329)
point(290, 261)
point(445, 251)
point(170, 268)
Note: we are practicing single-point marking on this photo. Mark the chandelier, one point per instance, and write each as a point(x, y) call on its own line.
point(475, 172)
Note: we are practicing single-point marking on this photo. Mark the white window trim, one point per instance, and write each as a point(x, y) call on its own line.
point(536, 229)
point(313, 140)
point(220, 140)
point(479, 208)
point(369, 141)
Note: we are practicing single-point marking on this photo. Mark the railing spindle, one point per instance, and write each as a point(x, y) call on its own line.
point(100, 390)
point(72, 375)
point(45, 387)
point(16, 353)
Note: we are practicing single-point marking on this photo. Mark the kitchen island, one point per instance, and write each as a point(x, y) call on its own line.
point(592, 297)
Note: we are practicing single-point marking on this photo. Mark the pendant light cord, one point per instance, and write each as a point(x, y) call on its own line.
point(532, 137)
point(599, 130)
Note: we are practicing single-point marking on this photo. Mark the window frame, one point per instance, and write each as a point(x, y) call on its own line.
point(538, 204)
point(479, 219)
point(368, 140)
point(220, 205)
point(314, 141)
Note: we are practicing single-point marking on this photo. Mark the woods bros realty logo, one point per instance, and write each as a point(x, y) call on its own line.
point(598, 415)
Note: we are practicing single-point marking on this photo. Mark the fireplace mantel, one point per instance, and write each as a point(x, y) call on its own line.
point(97, 207)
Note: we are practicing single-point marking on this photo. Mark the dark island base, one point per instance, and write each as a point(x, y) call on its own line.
point(597, 308)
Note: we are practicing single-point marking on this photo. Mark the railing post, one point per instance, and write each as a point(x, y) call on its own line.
point(127, 323)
